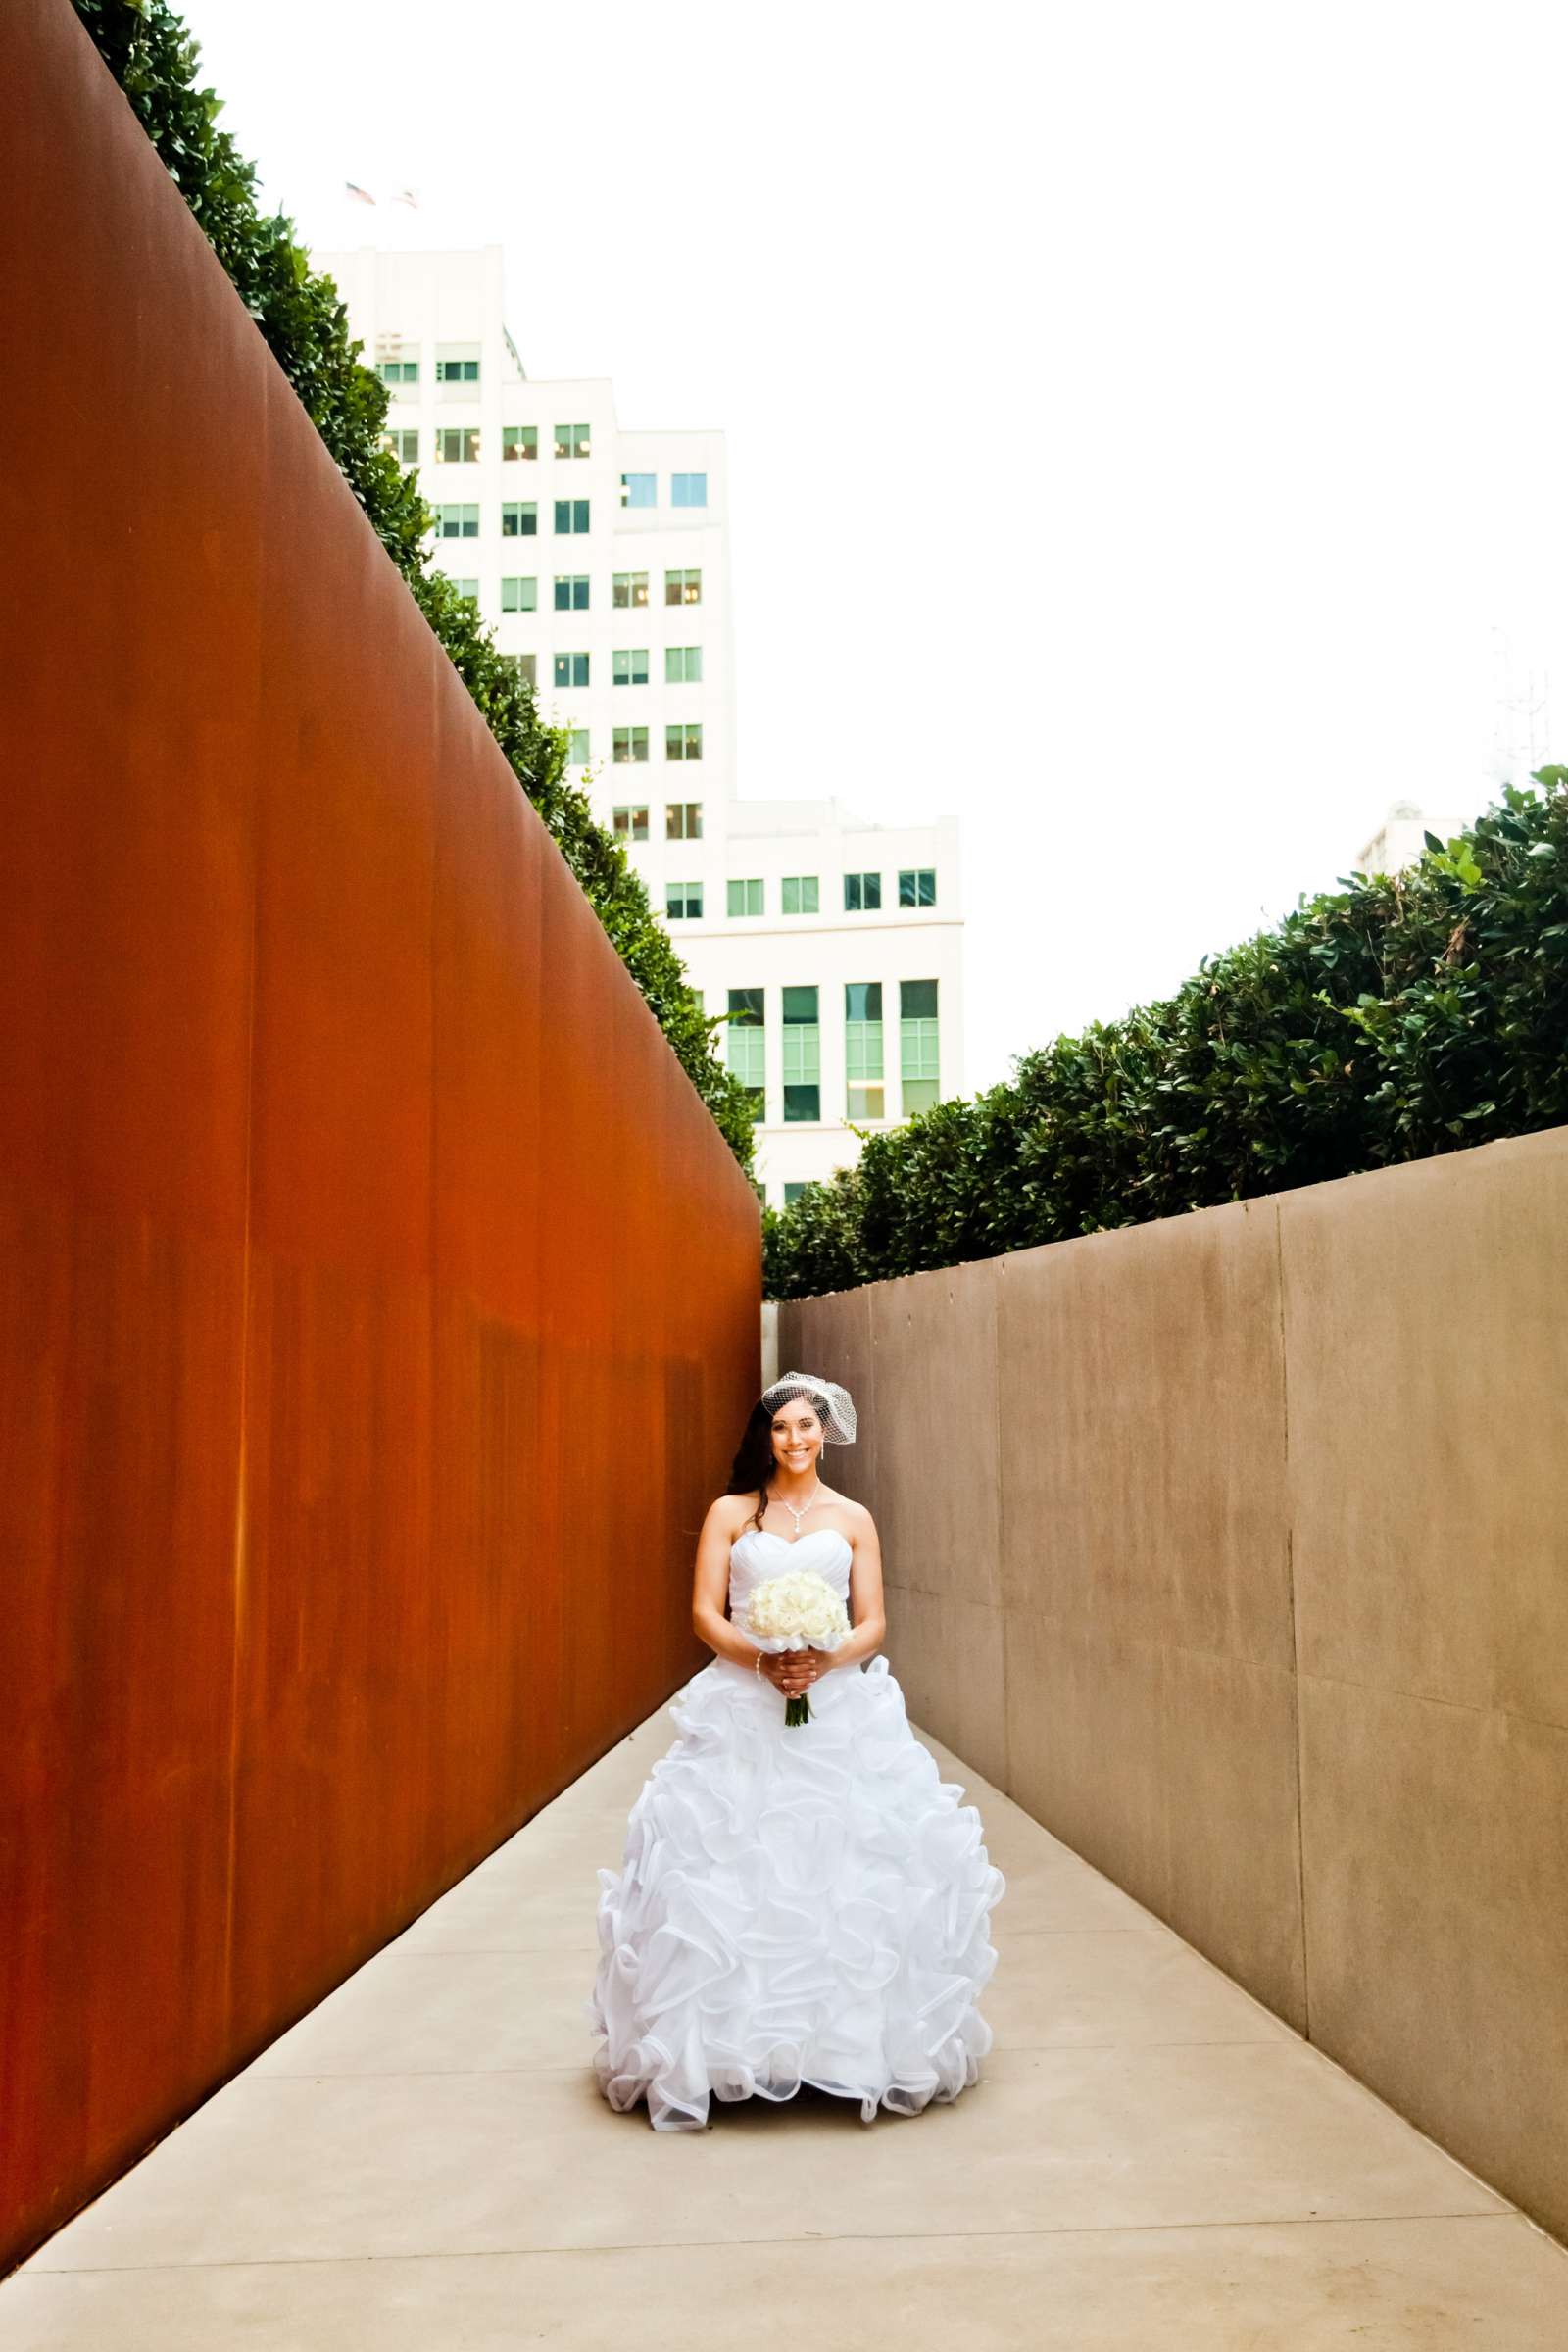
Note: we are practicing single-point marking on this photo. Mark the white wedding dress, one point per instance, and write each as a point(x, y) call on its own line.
point(809, 1904)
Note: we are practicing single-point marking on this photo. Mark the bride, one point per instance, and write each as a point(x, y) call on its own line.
point(805, 1904)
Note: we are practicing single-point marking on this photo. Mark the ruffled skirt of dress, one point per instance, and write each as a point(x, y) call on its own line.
point(794, 1905)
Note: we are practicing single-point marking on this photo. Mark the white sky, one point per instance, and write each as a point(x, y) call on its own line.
point(1146, 422)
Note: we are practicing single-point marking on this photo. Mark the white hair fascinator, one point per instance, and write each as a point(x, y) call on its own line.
point(834, 1406)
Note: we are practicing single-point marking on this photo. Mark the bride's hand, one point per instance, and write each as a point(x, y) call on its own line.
point(793, 1671)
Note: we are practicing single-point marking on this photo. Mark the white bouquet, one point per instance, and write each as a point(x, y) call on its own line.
point(798, 1610)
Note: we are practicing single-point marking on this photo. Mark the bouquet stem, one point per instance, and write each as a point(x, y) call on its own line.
point(798, 1710)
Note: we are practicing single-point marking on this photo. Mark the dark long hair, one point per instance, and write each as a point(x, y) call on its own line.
point(753, 1465)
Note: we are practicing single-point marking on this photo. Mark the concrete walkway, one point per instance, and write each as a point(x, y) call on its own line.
point(1149, 2160)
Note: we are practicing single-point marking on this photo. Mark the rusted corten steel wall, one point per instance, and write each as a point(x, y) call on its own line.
point(377, 1300)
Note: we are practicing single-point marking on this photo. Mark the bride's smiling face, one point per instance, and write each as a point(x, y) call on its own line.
point(796, 1437)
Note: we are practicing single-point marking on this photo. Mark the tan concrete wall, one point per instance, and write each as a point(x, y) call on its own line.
point(1235, 1548)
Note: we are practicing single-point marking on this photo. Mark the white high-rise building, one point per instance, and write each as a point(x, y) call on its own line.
point(600, 555)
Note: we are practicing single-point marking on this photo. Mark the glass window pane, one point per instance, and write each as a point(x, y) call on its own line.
point(917, 999)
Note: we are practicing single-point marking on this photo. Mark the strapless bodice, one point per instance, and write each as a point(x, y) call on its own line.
point(757, 1553)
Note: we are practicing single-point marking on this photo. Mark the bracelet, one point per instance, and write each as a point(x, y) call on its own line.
point(759, 1663)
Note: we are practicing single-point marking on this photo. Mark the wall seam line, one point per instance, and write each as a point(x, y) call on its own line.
point(241, 1477)
point(1296, 1643)
point(998, 1278)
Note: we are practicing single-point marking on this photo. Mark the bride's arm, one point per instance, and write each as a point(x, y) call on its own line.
point(711, 1589)
point(867, 1615)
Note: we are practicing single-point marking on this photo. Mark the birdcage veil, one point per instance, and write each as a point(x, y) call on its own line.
point(834, 1406)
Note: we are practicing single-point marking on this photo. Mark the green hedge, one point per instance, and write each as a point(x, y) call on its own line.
point(1400, 1016)
point(305, 324)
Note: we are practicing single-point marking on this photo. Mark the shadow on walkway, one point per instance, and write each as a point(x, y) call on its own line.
point(1149, 2159)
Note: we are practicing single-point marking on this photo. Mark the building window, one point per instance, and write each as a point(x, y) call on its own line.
point(629, 667)
point(794, 1186)
point(519, 442)
point(631, 750)
point(917, 1043)
point(398, 371)
point(683, 742)
point(457, 522)
point(522, 667)
point(630, 823)
point(629, 591)
point(573, 441)
point(572, 592)
point(571, 669)
point(639, 489)
point(457, 446)
point(456, 371)
point(404, 445)
point(746, 1045)
point(577, 749)
point(571, 516)
point(865, 1094)
point(802, 1056)
point(519, 596)
point(746, 898)
point(917, 886)
point(684, 901)
point(683, 665)
point(519, 520)
point(683, 820)
point(800, 894)
point(466, 588)
point(862, 894)
point(688, 489)
point(683, 587)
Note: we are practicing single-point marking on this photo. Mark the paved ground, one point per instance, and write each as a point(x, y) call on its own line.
point(1150, 2160)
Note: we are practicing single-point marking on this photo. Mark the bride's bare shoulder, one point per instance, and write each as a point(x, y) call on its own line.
point(730, 1513)
point(858, 1517)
